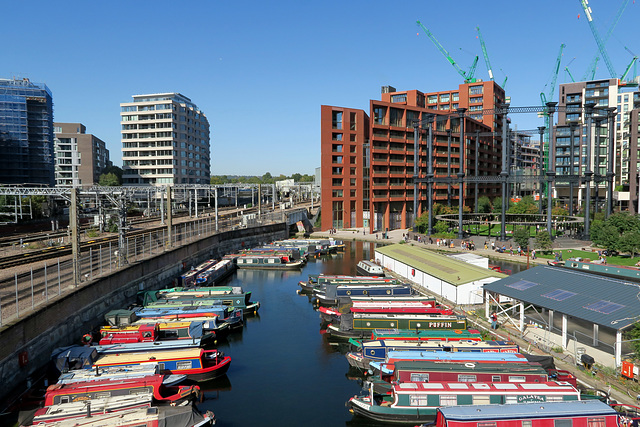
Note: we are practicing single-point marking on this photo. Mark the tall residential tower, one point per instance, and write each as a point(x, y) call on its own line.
point(165, 140)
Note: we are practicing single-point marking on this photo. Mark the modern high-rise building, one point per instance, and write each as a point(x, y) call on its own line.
point(26, 133)
point(165, 140)
point(573, 97)
point(80, 157)
point(631, 191)
point(367, 160)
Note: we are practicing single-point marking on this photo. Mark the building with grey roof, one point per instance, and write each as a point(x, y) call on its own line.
point(603, 304)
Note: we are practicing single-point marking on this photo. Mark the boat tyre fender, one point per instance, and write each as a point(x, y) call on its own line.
point(458, 331)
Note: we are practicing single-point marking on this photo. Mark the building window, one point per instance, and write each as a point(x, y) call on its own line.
point(337, 148)
point(352, 193)
point(444, 97)
point(352, 181)
point(336, 171)
point(396, 116)
point(475, 90)
point(337, 193)
point(352, 121)
point(336, 136)
point(399, 98)
point(432, 99)
point(455, 97)
point(476, 99)
point(336, 182)
point(379, 115)
point(337, 159)
point(336, 119)
point(353, 171)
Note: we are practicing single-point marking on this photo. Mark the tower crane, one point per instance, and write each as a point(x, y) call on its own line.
point(543, 98)
point(484, 52)
point(634, 61)
point(566, 69)
point(466, 75)
point(591, 71)
point(596, 36)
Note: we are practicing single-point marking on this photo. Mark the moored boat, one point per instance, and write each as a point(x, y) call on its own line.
point(159, 332)
point(115, 373)
point(579, 413)
point(215, 273)
point(417, 335)
point(369, 268)
point(417, 402)
point(377, 350)
point(189, 278)
point(88, 390)
point(333, 293)
point(163, 416)
point(268, 262)
point(198, 364)
point(360, 325)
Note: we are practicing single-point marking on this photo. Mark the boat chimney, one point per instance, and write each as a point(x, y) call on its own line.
point(88, 409)
point(97, 371)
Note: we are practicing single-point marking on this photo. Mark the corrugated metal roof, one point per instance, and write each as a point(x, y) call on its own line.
point(443, 267)
point(597, 299)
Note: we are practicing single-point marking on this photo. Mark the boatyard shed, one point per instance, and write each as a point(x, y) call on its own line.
point(457, 281)
point(585, 302)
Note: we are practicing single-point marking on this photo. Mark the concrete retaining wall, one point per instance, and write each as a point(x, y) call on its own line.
point(65, 320)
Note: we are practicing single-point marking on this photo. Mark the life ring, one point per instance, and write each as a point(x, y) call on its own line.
point(470, 365)
point(388, 291)
point(365, 292)
point(458, 331)
point(348, 292)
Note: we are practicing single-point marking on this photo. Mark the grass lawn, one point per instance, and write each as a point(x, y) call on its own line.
point(574, 253)
point(483, 230)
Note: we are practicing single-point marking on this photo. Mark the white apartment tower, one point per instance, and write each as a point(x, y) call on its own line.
point(165, 140)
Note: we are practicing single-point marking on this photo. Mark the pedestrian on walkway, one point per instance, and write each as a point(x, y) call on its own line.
point(494, 320)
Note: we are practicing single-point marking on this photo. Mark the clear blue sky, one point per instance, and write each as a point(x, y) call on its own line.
point(261, 70)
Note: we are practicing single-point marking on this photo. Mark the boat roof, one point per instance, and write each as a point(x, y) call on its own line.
point(527, 410)
point(547, 387)
point(440, 266)
point(148, 356)
point(418, 365)
point(463, 355)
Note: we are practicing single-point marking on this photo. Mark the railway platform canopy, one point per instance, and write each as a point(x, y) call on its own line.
point(577, 302)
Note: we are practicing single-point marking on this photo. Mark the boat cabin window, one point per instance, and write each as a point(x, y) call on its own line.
point(496, 378)
point(419, 377)
point(554, 399)
point(481, 399)
point(448, 400)
point(516, 379)
point(596, 422)
point(487, 424)
point(563, 423)
point(417, 400)
point(102, 395)
point(136, 391)
point(170, 334)
point(183, 365)
point(464, 378)
point(527, 423)
point(64, 399)
point(160, 367)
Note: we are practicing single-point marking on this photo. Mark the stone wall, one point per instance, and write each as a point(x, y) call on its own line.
point(66, 319)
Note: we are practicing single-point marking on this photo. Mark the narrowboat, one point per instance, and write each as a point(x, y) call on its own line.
point(332, 294)
point(330, 314)
point(216, 325)
point(157, 332)
point(215, 273)
point(320, 281)
point(231, 315)
point(120, 372)
point(377, 350)
point(441, 335)
point(69, 410)
point(369, 268)
point(577, 413)
point(162, 416)
point(360, 325)
point(417, 402)
point(146, 297)
point(431, 371)
point(89, 390)
point(236, 299)
point(267, 262)
point(189, 278)
point(141, 347)
point(198, 364)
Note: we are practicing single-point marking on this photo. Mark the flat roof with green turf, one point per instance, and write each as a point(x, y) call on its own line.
point(434, 264)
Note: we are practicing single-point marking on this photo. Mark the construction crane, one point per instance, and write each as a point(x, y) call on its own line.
point(566, 69)
point(484, 52)
point(544, 98)
point(596, 36)
point(634, 63)
point(591, 70)
point(466, 75)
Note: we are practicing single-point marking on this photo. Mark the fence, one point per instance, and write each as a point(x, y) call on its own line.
point(25, 292)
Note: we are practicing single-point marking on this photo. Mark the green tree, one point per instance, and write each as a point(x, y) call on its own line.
point(608, 237)
point(630, 242)
point(441, 227)
point(521, 237)
point(423, 222)
point(484, 204)
point(296, 177)
point(558, 210)
point(109, 180)
point(543, 241)
point(219, 179)
point(267, 178)
point(114, 170)
point(624, 221)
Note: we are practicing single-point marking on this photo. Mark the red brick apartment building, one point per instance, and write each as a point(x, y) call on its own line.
point(367, 160)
